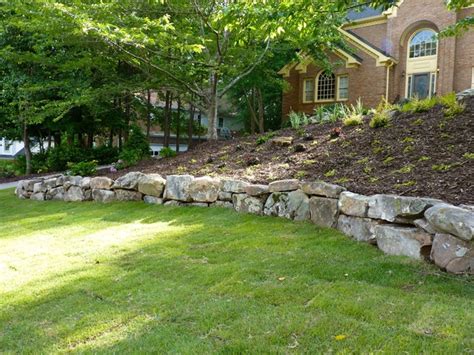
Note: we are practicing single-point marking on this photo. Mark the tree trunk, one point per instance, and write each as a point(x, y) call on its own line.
point(128, 102)
point(253, 116)
point(261, 113)
point(178, 122)
point(190, 126)
point(26, 142)
point(212, 111)
point(148, 113)
point(49, 139)
point(166, 128)
point(111, 138)
point(199, 125)
point(90, 139)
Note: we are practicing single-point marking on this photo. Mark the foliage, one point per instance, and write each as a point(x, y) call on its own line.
point(265, 138)
point(451, 106)
point(84, 168)
point(58, 157)
point(138, 142)
point(329, 113)
point(379, 119)
point(10, 168)
point(353, 120)
point(105, 154)
point(298, 119)
point(167, 152)
point(127, 158)
point(416, 105)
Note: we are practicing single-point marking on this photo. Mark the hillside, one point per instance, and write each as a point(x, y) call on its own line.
point(422, 154)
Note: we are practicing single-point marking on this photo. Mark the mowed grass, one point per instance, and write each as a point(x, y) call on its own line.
point(128, 277)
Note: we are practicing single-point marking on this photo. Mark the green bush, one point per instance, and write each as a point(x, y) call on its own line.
point(380, 119)
point(128, 157)
point(298, 119)
point(167, 152)
point(416, 105)
point(59, 157)
point(451, 106)
point(84, 168)
point(7, 169)
point(105, 154)
point(353, 120)
point(138, 142)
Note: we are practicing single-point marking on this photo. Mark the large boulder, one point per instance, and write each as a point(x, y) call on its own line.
point(101, 183)
point(39, 187)
point(56, 194)
point(224, 196)
point(204, 189)
point(177, 187)
point(128, 195)
point(284, 185)
point(104, 196)
point(224, 204)
point(72, 181)
point(152, 185)
point(360, 229)
point(398, 209)
point(40, 196)
point(446, 218)
point(86, 183)
point(233, 185)
point(400, 240)
point(74, 194)
point(352, 204)
point(256, 190)
point(291, 205)
point(247, 204)
point(452, 254)
point(28, 185)
point(321, 188)
point(128, 181)
point(324, 211)
point(51, 183)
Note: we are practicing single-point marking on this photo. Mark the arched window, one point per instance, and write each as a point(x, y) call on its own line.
point(326, 87)
point(424, 43)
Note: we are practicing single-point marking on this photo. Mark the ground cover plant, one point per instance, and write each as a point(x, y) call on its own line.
point(133, 277)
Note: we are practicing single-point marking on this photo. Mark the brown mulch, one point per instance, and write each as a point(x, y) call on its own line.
point(416, 155)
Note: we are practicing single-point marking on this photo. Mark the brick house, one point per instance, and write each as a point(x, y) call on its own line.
point(395, 54)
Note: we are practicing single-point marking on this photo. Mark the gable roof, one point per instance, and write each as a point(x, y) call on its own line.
point(364, 12)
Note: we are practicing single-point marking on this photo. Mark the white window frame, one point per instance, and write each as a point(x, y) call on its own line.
point(413, 36)
point(305, 101)
point(316, 89)
point(338, 93)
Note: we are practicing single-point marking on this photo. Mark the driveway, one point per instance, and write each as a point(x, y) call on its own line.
point(8, 185)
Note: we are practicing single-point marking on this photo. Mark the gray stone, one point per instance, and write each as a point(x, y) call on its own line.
point(400, 240)
point(291, 205)
point(60, 180)
point(101, 183)
point(422, 223)
point(398, 209)
point(224, 196)
point(38, 196)
point(74, 194)
point(198, 204)
point(72, 181)
point(153, 200)
point(247, 204)
point(86, 183)
point(87, 195)
point(352, 204)
point(39, 187)
point(224, 204)
point(233, 186)
point(204, 189)
point(324, 211)
point(128, 181)
point(321, 188)
point(452, 254)
point(284, 185)
point(174, 203)
point(360, 229)
point(128, 195)
point(177, 187)
point(51, 183)
point(28, 185)
point(453, 220)
point(103, 196)
point(56, 194)
point(256, 190)
point(152, 185)
point(467, 207)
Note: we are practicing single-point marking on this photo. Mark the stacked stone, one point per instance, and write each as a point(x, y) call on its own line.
point(421, 228)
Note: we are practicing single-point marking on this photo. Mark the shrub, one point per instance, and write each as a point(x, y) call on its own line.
point(58, 157)
point(128, 157)
point(8, 169)
point(167, 152)
point(451, 106)
point(298, 120)
point(84, 168)
point(105, 154)
point(353, 120)
point(329, 113)
point(380, 119)
point(417, 105)
point(137, 141)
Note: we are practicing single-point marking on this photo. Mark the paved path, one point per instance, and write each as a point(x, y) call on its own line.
point(8, 185)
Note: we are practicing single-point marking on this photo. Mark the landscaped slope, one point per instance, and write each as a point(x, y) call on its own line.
point(130, 277)
point(421, 154)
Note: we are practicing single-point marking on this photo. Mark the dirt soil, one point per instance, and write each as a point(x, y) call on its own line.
point(421, 154)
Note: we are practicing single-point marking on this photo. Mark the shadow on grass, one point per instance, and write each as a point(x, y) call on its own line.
point(225, 284)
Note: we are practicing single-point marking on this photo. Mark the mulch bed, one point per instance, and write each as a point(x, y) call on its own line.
point(416, 155)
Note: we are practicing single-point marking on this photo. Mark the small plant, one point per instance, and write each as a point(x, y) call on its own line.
point(405, 184)
point(353, 120)
point(330, 173)
point(424, 158)
point(343, 180)
point(417, 122)
point(380, 119)
point(298, 119)
point(84, 168)
point(300, 174)
point(167, 152)
point(265, 138)
point(451, 106)
point(408, 149)
point(388, 160)
point(468, 156)
point(408, 140)
point(441, 167)
point(309, 162)
point(405, 170)
point(417, 105)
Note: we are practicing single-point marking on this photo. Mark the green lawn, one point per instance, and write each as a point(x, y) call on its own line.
point(130, 277)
